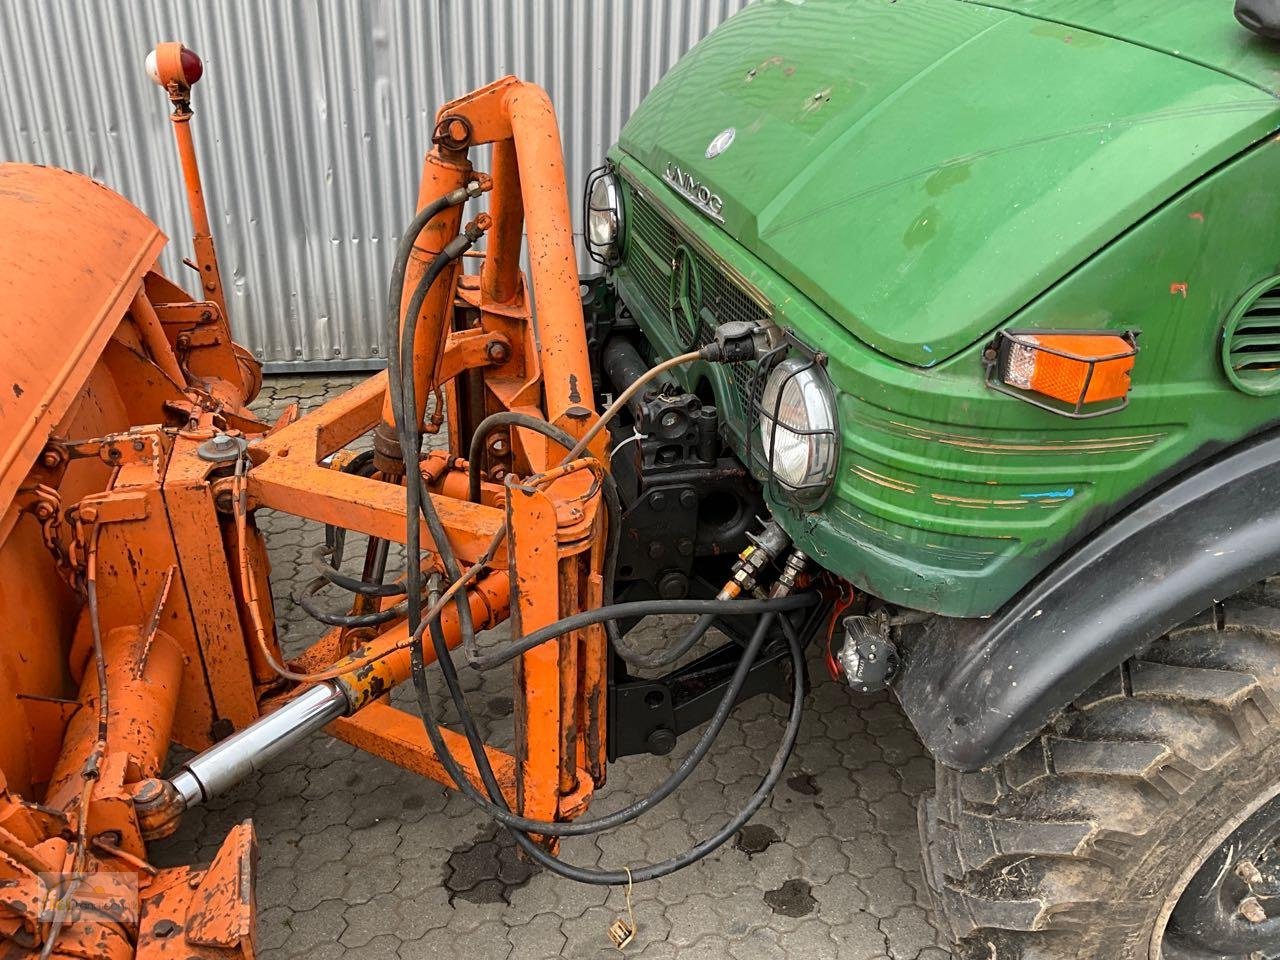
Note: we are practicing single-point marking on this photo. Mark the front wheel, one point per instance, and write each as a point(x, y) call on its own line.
point(1143, 824)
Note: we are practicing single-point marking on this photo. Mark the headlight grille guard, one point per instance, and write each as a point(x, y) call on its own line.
point(605, 169)
point(808, 495)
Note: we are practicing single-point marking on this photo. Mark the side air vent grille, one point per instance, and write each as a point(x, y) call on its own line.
point(1251, 340)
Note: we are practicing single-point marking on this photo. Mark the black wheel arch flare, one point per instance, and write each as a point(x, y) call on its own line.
point(977, 690)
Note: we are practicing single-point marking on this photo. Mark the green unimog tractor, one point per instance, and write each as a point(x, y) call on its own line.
point(1015, 267)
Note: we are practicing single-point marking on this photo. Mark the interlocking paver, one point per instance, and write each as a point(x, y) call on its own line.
point(358, 856)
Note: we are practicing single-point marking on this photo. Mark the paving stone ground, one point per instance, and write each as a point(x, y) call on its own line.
point(358, 856)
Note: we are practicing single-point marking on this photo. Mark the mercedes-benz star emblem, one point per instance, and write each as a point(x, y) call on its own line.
point(721, 142)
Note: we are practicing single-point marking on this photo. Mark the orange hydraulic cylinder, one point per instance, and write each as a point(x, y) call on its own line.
point(144, 677)
point(490, 601)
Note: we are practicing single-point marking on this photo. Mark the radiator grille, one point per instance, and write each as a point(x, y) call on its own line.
point(650, 256)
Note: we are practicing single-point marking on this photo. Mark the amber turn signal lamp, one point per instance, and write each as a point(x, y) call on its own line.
point(1073, 374)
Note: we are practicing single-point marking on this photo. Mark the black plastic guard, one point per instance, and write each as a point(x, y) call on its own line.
point(977, 690)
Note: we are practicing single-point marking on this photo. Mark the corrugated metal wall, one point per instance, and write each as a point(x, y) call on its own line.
point(311, 124)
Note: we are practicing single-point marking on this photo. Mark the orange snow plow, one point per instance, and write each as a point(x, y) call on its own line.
point(135, 582)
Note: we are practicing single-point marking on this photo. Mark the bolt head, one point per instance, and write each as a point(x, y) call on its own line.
point(661, 742)
point(1252, 910)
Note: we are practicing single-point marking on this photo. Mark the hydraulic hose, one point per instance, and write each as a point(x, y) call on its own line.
point(400, 266)
point(351, 584)
point(402, 393)
point(498, 810)
point(584, 874)
point(506, 418)
point(708, 610)
point(403, 390)
point(347, 620)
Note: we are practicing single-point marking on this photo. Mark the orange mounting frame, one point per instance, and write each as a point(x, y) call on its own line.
point(141, 520)
point(552, 557)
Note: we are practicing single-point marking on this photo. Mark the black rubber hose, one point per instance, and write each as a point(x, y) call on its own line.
point(417, 496)
point(334, 536)
point(611, 877)
point(402, 393)
point(506, 817)
point(410, 442)
point(351, 584)
point(708, 609)
point(613, 542)
point(400, 266)
point(414, 492)
point(485, 770)
point(372, 619)
point(507, 418)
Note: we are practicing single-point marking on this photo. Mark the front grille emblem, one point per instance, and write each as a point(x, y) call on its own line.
point(695, 191)
point(720, 142)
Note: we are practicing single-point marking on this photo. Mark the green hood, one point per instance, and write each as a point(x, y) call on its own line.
point(923, 169)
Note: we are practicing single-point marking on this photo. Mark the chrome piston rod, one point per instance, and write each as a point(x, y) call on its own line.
point(225, 764)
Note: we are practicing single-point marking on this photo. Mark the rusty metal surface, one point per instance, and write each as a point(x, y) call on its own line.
point(73, 256)
point(357, 855)
point(311, 143)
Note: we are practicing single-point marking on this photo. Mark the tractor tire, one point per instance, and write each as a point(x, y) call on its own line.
point(1163, 779)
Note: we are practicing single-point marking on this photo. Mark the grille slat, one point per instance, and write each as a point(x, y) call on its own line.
point(1253, 344)
point(651, 250)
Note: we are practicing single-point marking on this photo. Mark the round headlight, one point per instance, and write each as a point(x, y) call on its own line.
point(798, 428)
point(604, 217)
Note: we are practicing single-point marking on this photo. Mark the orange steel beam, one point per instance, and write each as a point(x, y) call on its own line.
point(500, 274)
point(289, 477)
point(566, 372)
point(225, 652)
point(398, 737)
point(535, 577)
